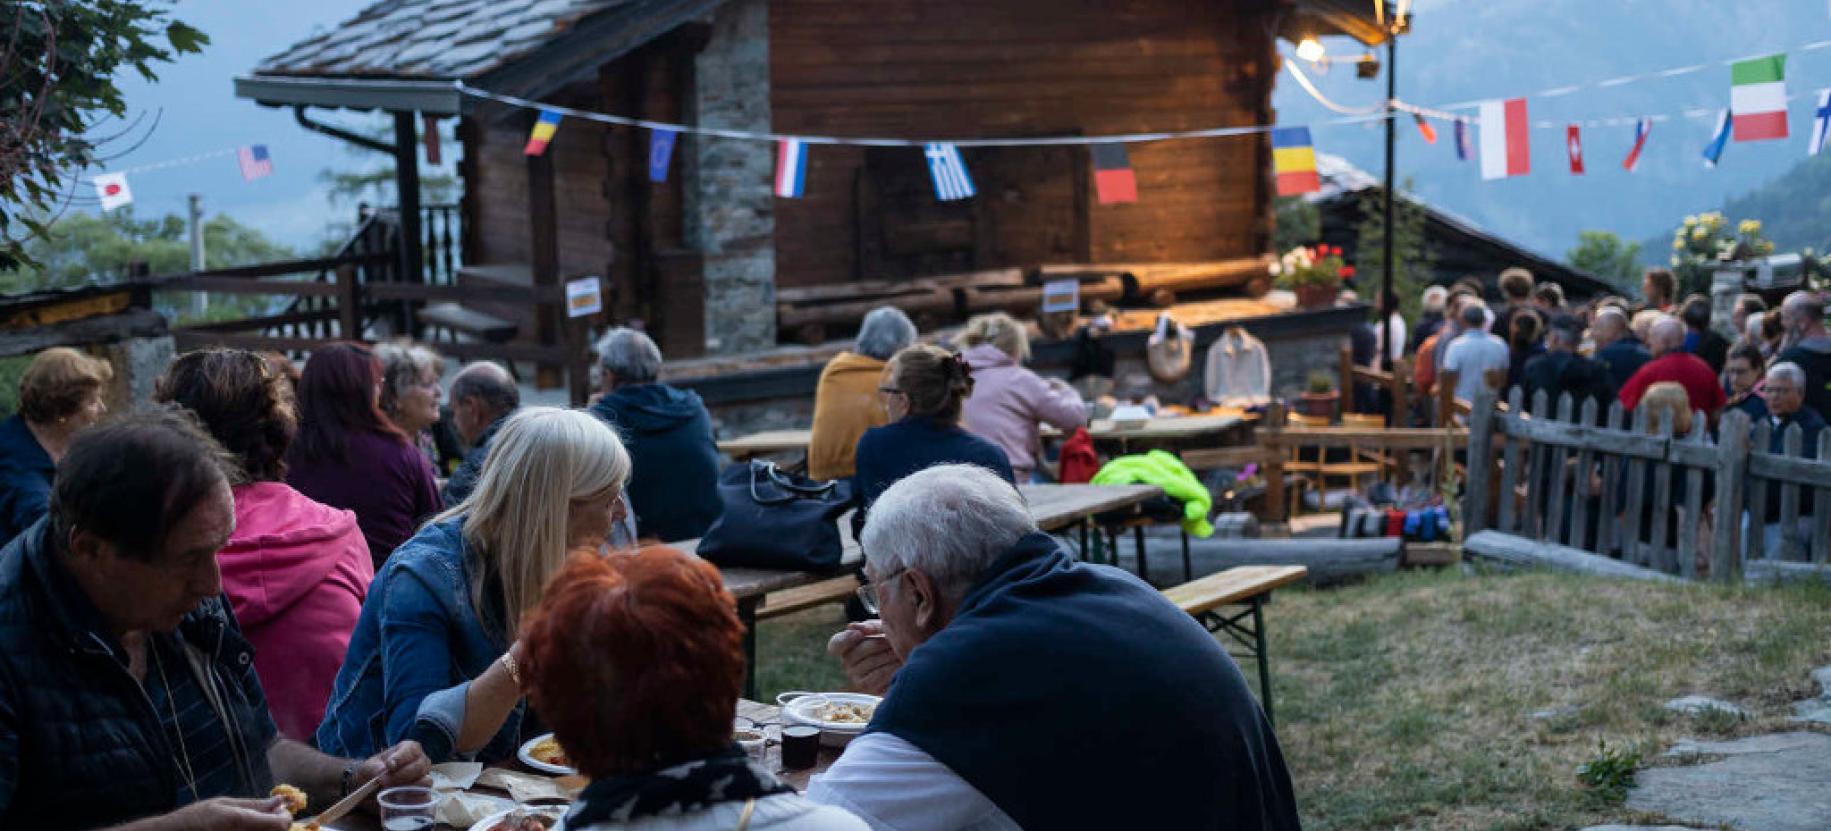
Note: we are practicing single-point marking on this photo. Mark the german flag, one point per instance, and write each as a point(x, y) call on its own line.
point(1114, 181)
point(1294, 160)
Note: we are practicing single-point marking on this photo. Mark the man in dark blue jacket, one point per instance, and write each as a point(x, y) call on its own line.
point(1785, 392)
point(1017, 669)
point(673, 489)
point(127, 693)
point(1617, 346)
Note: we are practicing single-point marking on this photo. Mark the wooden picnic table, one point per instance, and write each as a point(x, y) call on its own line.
point(766, 718)
point(1054, 507)
point(1168, 430)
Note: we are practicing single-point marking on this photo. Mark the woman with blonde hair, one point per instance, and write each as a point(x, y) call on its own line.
point(449, 603)
point(1009, 402)
point(59, 394)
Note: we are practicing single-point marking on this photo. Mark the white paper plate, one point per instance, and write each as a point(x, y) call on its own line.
point(488, 822)
point(526, 755)
point(800, 710)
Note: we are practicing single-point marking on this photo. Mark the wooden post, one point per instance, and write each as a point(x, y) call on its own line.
point(543, 230)
point(349, 303)
point(1732, 478)
point(1345, 366)
point(1274, 467)
point(1446, 398)
point(407, 184)
point(1401, 395)
point(1480, 464)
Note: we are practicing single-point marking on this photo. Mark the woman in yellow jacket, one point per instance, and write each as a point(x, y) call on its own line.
point(846, 403)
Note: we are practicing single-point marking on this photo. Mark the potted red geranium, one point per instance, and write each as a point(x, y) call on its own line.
point(1313, 272)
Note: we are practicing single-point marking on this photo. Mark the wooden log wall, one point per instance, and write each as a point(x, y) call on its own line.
point(946, 68)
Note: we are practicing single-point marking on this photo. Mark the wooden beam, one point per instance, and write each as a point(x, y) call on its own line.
point(543, 231)
point(132, 323)
point(1393, 438)
point(1519, 551)
point(242, 285)
point(78, 307)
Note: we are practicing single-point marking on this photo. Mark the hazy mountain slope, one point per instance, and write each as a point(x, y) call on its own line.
point(1463, 50)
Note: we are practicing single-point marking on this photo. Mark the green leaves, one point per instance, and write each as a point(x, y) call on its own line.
point(185, 39)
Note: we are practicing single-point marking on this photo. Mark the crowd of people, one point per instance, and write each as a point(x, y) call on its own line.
point(350, 572)
point(1662, 354)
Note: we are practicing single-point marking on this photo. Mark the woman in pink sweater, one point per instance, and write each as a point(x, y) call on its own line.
point(1010, 402)
point(295, 571)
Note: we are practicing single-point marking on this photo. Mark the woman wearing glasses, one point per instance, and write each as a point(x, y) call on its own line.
point(924, 389)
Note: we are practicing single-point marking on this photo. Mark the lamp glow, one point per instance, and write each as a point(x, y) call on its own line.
point(1310, 49)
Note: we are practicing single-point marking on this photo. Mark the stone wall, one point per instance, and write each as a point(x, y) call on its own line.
point(730, 200)
point(138, 363)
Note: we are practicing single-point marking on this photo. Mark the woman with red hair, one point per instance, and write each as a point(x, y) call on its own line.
point(350, 456)
point(635, 662)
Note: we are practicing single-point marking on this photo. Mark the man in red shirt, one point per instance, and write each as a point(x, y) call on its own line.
point(1671, 363)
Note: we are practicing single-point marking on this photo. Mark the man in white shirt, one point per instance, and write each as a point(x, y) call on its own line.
point(1475, 353)
point(1012, 670)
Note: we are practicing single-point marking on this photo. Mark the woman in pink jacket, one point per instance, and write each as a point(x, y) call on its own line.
point(295, 571)
point(1009, 401)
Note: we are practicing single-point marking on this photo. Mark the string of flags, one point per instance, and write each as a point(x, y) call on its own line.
point(113, 191)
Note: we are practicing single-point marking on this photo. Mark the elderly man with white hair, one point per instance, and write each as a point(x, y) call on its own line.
point(1033, 691)
point(673, 489)
point(1802, 315)
point(846, 400)
point(1785, 395)
point(1672, 363)
point(1616, 345)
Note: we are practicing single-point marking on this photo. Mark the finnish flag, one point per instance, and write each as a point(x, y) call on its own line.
point(949, 172)
point(1821, 123)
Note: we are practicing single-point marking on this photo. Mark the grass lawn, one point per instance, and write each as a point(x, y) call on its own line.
point(1407, 701)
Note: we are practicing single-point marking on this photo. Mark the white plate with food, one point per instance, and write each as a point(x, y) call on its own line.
point(521, 819)
point(544, 754)
point(839, 716)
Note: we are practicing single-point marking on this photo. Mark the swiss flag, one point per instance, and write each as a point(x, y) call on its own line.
point(1573, 140)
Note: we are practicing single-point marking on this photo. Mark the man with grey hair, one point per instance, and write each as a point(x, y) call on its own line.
point(1616, 345)
point(1802, 314)
point(483, 394)
point(1672, 363)
point(1784, 391)
point(673, 487)
point(1476, 353)
point(846, 400)
point(1033, 669)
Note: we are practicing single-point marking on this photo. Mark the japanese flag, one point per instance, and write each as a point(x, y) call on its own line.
point(112, 189)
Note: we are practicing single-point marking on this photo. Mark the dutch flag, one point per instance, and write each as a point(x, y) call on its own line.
point(791, 168)
point(945, 166)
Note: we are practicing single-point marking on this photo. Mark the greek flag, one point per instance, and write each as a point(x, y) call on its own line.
point(1714, 150)
point(1821, 123)
point(944, 166)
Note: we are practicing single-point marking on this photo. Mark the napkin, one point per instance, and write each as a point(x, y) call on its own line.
point(459, 809)
point(526, 788)
point(455, 776)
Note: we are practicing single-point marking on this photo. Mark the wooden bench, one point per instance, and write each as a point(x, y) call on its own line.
point(788, 601)
point(1249, 586)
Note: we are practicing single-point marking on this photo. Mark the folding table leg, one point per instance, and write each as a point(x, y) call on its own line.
point(1265, 667)
point(1188, 569)
point(747, 614)
point(1144, 570)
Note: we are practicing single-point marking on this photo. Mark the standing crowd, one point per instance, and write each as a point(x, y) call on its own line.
point(356, 573)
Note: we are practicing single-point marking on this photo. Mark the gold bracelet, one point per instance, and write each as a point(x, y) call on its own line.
point(508, 662)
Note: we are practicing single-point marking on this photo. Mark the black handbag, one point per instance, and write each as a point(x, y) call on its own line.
point(778, 520)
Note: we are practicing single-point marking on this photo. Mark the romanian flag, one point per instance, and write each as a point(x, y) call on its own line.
point(1114, 181)
point(544, 128)
point(1294, 160)
point(1757, 98)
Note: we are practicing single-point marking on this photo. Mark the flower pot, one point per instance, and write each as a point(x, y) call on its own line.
point(1319, 404)
point(1313, 297)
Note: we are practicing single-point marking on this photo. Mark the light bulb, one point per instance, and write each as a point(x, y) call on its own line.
point(1310, 49)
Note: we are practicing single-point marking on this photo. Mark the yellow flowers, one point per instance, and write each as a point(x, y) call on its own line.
point(1749, 227)
point(1678, 243)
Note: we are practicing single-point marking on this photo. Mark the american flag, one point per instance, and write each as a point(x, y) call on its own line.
point(949, 172)
point(254, 162)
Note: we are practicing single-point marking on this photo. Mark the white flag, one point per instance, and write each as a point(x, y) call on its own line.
point(112, 189)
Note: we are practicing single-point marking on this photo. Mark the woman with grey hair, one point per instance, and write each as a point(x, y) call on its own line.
point(846, 403)
point(410, 390)
point(673, 490)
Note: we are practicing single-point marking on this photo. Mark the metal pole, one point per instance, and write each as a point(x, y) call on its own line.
point(1387, 298)
point(200, 301)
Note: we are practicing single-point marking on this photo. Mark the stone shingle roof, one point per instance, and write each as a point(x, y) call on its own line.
point(434, 39)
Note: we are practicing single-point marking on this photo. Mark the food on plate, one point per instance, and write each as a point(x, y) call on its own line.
point(305, 826)
point(524, 821)
point(841, 712)
point(548, 751)
point(293, 798)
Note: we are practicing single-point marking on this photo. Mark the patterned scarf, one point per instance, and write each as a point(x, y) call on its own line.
point(726, 776)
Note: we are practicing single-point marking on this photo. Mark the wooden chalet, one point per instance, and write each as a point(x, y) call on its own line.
point(711, 260)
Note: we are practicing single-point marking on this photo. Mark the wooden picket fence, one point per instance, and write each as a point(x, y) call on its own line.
point(1572, 476)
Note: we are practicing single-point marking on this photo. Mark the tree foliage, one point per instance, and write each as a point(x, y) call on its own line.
point(1605, 255)
point(58, 63)
point(1412, 258)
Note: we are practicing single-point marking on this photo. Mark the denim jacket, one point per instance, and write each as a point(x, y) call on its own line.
point(416, 648)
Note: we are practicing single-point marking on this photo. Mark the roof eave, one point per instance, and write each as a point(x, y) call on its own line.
point(429, 96)
point(1353, 18)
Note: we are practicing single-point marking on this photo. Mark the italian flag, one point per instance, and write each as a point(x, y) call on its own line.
point(1757, 98)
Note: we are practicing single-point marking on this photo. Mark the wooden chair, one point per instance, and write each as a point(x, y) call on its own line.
point(1361, 461)
point(1303, 469)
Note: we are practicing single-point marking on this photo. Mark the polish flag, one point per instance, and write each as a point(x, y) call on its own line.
point(1506, 148)
point(1573, 140)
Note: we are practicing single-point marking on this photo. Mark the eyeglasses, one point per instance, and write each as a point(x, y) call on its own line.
point(867, 593)
point(889, 391)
